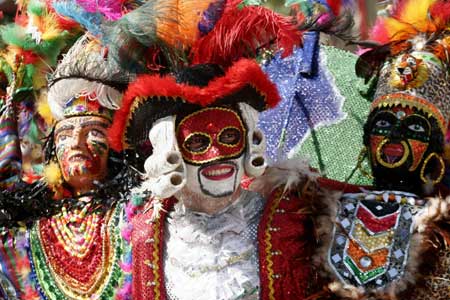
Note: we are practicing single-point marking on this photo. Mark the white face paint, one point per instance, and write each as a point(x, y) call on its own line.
point(217, 179)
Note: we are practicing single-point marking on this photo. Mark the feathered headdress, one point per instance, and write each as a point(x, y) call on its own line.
point(175, 33)
point(410, 64)
point(85, 70)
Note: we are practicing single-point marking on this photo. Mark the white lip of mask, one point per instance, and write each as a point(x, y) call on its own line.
point(218, 179)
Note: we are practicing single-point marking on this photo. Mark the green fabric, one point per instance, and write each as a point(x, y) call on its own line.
point(335, 149)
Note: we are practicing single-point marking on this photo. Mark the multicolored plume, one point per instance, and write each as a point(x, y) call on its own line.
point(413, 25)
point(167, 33)
point(31, 48)
point(34, 43)
point(413, 19)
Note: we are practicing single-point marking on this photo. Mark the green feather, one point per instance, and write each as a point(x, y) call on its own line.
point(36, 7)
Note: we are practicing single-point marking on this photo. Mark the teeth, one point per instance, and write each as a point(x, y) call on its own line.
point(218, 172)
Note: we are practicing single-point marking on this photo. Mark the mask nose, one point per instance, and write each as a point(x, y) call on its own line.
point(396, 134)
point(78, 138)
point(400, 70)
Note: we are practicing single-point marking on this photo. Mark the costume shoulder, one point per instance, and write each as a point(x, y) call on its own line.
point(292, 176)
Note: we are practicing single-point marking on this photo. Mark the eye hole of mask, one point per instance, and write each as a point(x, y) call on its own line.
point(384, 120)
point(417, 124)
point(230, 136)
point(197, 143)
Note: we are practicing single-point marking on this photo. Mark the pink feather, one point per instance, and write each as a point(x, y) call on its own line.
point(379, 32)
point(125, 292)
point(126, 267)
point(111, 9)
point(126, 232)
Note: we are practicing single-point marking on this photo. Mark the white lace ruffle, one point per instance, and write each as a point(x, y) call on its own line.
point(213, 257)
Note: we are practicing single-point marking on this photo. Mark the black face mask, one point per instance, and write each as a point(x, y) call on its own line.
point(399, 142)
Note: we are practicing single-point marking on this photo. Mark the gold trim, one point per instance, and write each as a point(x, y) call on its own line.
point(396, 164)
point(237, 154)
point(200, 152)
point(267, 239)
point(228, 145)
point(156, 254)
point(441, 173)
point(136, 102)
point(407, 100)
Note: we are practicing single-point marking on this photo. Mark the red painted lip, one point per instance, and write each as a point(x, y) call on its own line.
point(218, 172)
point(393, 152)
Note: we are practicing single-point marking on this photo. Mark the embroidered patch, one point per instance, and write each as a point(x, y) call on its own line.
point(371, 240)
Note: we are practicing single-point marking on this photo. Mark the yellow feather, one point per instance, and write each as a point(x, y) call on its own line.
point(50, 27)
point(398, 30)
point(39, 76)
point(52, 174)
point(415, 12)
point(43, 108)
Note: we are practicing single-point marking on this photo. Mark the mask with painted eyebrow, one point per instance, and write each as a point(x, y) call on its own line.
point(400, 140)
point(82, 151)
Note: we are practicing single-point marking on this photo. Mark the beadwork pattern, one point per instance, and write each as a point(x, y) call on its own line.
point(371, 238)
point(63, 270)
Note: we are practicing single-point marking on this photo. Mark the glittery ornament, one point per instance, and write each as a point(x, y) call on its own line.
point(321, 112)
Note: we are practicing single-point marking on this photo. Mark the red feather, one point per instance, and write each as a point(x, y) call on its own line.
point(240, 74)
point(335, 6)
point(28, 56)
point(241, 32)
point(441, 10)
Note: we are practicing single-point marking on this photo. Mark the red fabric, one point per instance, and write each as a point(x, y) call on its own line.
point(150, 238)
point(291, 232)
point(241, 32)
point(294, 239)
point(375, 224)
point(243, 73)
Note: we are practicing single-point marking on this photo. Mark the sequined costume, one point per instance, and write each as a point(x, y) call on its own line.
point(75, 250)
point(280, 261)
point(379, 243)
point(199, 226)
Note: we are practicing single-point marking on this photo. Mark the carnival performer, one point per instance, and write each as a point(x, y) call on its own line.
point(200, 235)
point(76, 250)
point(196, 233)
point(377, 242)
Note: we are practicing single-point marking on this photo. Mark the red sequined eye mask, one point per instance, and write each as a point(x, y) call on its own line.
point(209, 125)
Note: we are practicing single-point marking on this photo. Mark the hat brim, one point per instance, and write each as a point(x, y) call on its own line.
point(150, 98)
